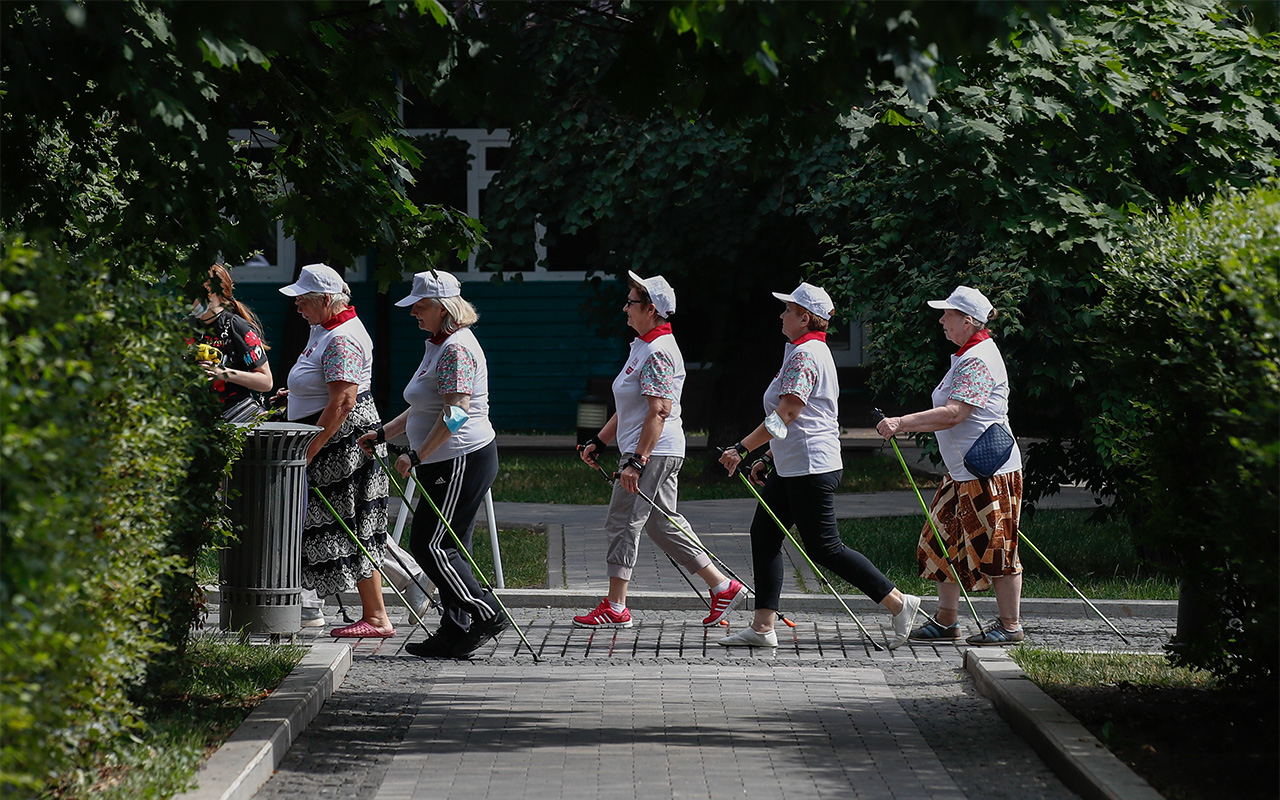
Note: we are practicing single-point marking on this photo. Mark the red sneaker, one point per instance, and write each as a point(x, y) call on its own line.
point(723, 602)
point(603, 616)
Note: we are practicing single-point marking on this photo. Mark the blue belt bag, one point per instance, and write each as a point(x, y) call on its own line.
point(990, 452)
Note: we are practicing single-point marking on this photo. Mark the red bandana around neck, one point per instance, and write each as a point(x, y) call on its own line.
point(811, 336)
point(662, 330)
point(980, 336)
point(337, 319)
point(438, 338)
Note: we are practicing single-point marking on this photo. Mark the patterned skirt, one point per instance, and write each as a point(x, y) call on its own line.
point(978, 520)
point(357, 487)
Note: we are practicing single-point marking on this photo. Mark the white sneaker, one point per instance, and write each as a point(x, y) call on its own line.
point(312, 617)
point(416, 598)
point(750, 637)
point(903, 620)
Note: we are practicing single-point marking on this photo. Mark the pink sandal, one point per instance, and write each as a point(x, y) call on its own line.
point(361, 630)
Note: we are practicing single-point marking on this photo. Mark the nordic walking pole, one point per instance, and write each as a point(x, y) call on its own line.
point(808, 560)
point(683, 574)
point(933, 526)
point(458, 541)
point(1067, 581)
point(343, 523)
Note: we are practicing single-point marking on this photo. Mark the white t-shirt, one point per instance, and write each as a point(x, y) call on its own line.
point(976, 377)
point(812, 446)
point(343, 352)
point(654, 368)
point(455, 365)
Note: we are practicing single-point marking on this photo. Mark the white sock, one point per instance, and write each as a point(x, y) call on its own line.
point(720, 587)
point(617, 608)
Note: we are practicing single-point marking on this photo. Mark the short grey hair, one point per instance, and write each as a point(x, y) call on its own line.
point(333, 303)
point(459, 313)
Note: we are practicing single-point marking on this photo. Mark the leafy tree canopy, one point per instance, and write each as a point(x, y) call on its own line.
point(1022, 175)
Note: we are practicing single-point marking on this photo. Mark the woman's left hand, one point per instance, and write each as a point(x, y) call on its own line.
point(630, 479)
point(404, 466)
point(889, 426)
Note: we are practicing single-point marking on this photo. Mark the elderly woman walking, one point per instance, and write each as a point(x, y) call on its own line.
point(454, 454)
point(805, 465)
point(977, 516)
point(649, 433)
point(329, 386)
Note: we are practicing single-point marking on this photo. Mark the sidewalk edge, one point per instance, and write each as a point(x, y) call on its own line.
point(247, 760)
point(1074, 755)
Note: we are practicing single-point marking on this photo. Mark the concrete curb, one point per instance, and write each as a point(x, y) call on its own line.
point(247, 760)
point(1079, 759)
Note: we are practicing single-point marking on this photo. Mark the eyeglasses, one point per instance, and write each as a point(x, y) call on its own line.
point(630, 302)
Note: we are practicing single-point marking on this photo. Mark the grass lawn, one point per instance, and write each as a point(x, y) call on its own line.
point(1167, 723)
point(563, 478)
point(1098, 557)
point(224, 681)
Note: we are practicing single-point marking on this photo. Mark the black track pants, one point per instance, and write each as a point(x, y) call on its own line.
point(457, 486)
point(808, 502)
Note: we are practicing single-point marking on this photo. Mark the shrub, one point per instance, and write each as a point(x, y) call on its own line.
point(100, 510)
point(1188, 419)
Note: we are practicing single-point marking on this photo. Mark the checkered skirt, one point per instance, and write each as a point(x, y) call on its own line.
point(978, 521)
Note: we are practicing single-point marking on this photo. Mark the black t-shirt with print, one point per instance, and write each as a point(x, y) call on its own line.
point(241, 347)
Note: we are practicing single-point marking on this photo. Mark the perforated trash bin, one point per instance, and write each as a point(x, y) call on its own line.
point(261, 572)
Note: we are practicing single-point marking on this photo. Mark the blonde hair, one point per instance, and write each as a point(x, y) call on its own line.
point(459, 313)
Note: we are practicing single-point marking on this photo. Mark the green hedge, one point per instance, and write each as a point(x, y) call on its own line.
point(108, 481)
point(1188, 419)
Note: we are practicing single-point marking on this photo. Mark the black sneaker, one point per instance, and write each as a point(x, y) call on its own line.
point(440, 644)
point(480, 632)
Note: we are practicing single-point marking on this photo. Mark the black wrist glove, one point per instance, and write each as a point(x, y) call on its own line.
point(414, 461)
point(380, 436)
point(633, 462)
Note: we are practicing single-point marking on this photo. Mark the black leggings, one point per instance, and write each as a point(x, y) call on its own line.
point(808, 501)
point(457, 486)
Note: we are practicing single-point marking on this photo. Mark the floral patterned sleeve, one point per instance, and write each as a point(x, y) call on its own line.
point(455, 370)
point(658, 376)
point(973, 383)
point(799, 375)
point(342, 360)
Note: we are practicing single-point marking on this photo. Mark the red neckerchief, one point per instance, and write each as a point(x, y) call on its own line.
point(811, 336)
point(337, 319)
point(438, 338)
point(662, 330)
point(980, 336)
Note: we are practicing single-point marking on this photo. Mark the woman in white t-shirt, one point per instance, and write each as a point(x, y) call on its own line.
point(976, 516)
point(453, 452)
point(804, 467)
point(649, 433)
point(329, 386)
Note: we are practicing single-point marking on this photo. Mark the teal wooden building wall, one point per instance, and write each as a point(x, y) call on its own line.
point(542, 352)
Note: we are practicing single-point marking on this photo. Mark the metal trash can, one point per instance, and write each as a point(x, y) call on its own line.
point(260, 573)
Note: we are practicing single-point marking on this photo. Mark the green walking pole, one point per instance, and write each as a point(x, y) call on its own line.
point(1065, 580)
point(941, 544)
point(458, 541)
point(808, 560)
point(372, 560)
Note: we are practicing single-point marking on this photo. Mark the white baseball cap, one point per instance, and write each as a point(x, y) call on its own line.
point(316, 278)
point(967, 301)
point(660, 292)
point(811, 298)
point(433, 284)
